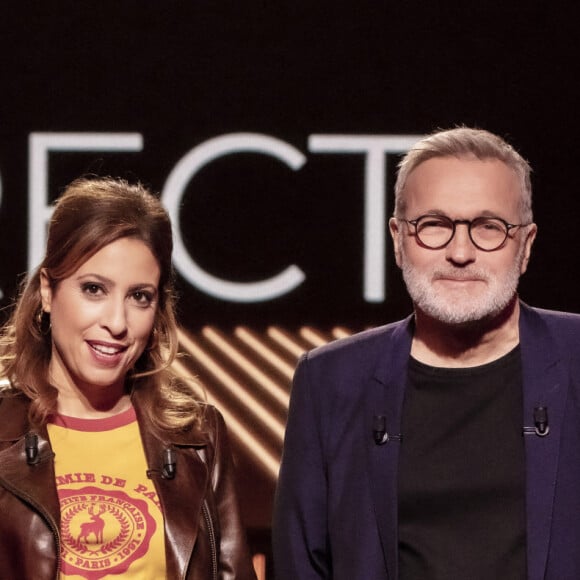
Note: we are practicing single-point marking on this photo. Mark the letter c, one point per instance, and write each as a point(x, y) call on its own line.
point(178, 179)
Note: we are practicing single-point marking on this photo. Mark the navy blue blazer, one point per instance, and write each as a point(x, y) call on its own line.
point(335, 513)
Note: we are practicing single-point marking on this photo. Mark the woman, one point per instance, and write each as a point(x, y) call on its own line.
point(110, 466)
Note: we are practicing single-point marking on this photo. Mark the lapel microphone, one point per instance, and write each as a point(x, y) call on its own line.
point(31, 447)
point(380, 435)
point(541, 420)
point(169, 465)
point(541, 427)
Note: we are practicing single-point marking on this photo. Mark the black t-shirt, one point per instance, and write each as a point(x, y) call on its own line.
point(462, 473)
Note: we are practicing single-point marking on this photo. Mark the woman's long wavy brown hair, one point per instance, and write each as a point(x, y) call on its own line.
point(92, 213)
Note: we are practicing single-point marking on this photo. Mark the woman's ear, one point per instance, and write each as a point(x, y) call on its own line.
point(45, 290)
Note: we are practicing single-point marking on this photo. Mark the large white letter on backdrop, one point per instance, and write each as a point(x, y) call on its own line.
point(375, 221)
point(40, 144)
point(174, 188)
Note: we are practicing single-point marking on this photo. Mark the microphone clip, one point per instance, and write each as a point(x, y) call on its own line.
point(541, 427)
point(31, 448)
point(541, 420)
point(380, 435)
point(169, 466)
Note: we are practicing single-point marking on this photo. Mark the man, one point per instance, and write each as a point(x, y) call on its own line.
point(445, 446)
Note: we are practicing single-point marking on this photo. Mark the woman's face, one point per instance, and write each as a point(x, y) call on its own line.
point(102, 317)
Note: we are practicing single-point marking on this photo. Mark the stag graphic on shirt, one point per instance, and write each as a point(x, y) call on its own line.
point(95, 526)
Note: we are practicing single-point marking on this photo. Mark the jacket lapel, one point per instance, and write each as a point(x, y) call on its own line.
point(385, 398)
point(29, 482)
point(545, 383)
point(190, 482)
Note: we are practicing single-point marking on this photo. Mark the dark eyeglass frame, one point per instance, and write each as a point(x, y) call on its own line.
point(469, 223)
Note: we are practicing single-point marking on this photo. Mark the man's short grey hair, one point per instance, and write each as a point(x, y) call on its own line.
point(465, 142)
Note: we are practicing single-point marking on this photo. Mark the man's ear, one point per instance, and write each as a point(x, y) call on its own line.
point(529, 241)
point(45, 290)
point(396, 236)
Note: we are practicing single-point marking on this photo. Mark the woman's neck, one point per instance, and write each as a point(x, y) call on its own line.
point(72, 405)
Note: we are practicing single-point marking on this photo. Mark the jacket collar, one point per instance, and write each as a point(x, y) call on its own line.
point(13, 415)
point(29, 482)
point(194, 437)
point(191, 482)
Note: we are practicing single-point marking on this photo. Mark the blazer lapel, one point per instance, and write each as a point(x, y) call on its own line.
point(544, 383)
point(385, 398)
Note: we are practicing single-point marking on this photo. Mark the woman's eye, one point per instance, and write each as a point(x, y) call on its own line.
point(143, 298)
point(92, 289)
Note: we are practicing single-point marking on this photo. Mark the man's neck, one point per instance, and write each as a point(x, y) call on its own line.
point(446, 345)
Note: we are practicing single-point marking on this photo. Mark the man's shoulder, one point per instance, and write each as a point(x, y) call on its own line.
point(367, 341)
point(344, 365)
point(543, 330)
point(553, 318)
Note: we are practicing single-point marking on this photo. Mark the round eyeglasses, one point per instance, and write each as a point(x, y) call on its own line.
point(486, 233)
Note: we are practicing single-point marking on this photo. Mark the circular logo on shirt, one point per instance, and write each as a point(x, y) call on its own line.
point(102, 531)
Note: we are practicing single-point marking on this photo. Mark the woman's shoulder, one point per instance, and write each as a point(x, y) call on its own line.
point(212, 427)
point(211, 420)
point(9, 391)
point(14, 407)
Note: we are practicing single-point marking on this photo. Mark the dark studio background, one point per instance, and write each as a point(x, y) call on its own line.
point(182, 73)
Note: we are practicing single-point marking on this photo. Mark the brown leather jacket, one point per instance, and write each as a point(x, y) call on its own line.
point(203, 533)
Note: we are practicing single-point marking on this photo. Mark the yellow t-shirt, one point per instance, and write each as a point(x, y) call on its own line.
point(111, 520)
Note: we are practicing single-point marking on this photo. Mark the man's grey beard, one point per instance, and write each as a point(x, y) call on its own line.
point(458, 309)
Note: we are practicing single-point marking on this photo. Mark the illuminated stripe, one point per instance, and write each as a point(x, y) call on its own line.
point(312, 336)
point(246, 336)
point(340, 332)
point(274, 389)
point(251, 443)
point(285, 341)
point(238, 392)
point(268, 361)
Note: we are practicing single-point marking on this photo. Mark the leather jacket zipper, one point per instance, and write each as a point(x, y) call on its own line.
point(212, 541)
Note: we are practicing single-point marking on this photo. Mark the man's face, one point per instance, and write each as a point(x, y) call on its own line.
point(460, 283)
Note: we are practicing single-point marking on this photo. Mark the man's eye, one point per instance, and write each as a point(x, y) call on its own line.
point(489, 227)
point(433, 223)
